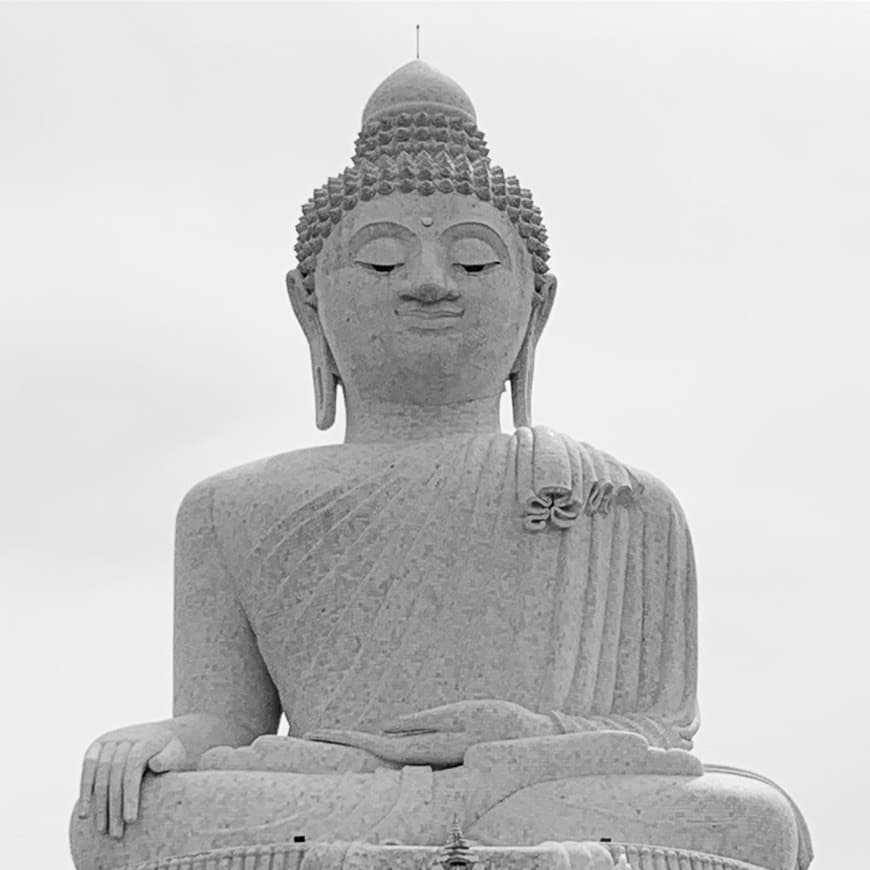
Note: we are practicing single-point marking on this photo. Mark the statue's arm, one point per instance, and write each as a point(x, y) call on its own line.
point(219, 674)
point(223, 693)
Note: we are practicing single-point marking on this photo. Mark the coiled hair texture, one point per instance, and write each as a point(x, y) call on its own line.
point(423, 153)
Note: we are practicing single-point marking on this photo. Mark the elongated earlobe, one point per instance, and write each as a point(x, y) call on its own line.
point(325, 388)
point(521, 377)
point(522, 374)
point(323, 367)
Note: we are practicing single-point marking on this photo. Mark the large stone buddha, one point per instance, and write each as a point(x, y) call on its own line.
point(460, 624)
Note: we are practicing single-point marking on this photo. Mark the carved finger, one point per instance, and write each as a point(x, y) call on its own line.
point(472, 715)
point(436, 719)
point(172, 757)
point(116, 790)
point(360, 739)
point(132, 784)
point(89, 769)
point(101, 784)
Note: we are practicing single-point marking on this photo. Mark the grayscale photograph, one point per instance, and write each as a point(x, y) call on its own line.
point(433, 435)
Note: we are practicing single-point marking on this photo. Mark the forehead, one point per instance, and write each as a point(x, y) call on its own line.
point(425, 216)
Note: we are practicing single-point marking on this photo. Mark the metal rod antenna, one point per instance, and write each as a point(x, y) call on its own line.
point(418, 42)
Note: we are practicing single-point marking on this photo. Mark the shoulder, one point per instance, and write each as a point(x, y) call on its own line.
point(656, 497)
point(284, 476)
point(648, 493)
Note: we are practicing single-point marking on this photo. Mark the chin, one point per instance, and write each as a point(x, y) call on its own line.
point(440, 363)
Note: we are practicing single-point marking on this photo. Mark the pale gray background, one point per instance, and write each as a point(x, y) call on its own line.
point(704, 172)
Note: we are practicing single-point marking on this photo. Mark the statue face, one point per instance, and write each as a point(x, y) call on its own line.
point(424, 299)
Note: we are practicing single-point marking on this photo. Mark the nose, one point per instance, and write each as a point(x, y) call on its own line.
point(430, 293)
point(430, 283)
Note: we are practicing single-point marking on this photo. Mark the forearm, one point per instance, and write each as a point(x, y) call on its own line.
point(202, 731)
point(658, 730)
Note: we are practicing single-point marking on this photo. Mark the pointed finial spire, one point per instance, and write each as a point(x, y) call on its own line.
point(457, 854)
point(418, 42)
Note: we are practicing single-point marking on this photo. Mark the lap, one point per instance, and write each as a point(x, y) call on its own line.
point(663, 799)
point(721, 813)
point(183, 813)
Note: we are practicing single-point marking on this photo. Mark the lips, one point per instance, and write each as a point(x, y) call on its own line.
point(431, 312)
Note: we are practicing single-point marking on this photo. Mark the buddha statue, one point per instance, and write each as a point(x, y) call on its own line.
point(464, 627)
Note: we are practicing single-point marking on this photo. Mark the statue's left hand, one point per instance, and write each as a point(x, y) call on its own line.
point(441, 735)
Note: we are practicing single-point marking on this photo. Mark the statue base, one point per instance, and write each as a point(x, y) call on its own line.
point(367, 856)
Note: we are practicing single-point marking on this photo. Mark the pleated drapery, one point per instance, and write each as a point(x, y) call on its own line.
point(526, 567)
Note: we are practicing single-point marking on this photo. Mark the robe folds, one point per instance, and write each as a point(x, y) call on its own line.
point(367, 581)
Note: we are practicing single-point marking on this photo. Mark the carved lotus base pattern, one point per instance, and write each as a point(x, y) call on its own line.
point(366, 856)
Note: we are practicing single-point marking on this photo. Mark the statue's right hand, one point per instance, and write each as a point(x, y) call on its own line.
point(114, 766)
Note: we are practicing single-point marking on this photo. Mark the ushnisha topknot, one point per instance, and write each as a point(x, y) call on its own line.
point(419, 134)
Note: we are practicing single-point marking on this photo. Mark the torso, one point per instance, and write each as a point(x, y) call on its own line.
point(380, 580)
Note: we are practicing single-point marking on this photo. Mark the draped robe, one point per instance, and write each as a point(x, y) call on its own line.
point(367, 581)
point(345, 584)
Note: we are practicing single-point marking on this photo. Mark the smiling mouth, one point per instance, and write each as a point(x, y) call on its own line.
point(444, 312)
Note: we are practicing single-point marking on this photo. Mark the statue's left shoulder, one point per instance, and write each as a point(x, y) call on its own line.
point(655, 496)
point(639, 488)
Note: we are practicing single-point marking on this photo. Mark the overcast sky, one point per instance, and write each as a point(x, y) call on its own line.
point(703, 172)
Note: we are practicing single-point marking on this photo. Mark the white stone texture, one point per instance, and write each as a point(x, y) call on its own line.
point(461, 625)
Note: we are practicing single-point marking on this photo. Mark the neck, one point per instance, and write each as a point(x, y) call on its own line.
point(375, 420)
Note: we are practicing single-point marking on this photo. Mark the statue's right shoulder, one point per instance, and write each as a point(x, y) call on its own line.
point(237, 507)
point(284, 477)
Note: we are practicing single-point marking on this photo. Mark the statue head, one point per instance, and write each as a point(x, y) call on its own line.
point(422, 269)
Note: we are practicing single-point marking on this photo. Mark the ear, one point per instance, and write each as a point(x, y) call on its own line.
point(323, 367)
point(524, 368)
point(543, 300)
point(304, 305)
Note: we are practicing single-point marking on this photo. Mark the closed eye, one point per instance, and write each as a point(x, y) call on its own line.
point(381, 268)
point(477, 268)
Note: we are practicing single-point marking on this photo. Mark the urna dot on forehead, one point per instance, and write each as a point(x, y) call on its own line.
point(419, 134)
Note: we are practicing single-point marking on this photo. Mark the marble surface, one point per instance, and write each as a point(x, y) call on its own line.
point(461, 625)
point(545, 856)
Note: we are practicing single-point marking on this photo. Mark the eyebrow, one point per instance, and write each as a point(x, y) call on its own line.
point(482, 231)
point(374, 231)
